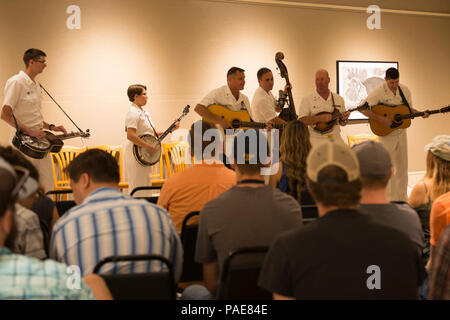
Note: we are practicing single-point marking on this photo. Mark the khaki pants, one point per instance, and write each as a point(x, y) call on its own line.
point(397, 145)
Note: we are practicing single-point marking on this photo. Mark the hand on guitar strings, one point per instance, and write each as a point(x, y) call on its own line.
point(177, 126)
point(224, 124)
point(150, 149)
point(60, 128)
point(37, 133)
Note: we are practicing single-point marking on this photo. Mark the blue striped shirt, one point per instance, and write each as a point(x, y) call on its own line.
point(26, 278)
point(109, 223)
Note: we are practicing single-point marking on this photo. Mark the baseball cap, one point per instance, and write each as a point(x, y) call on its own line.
point(25, 185)
point(374, 159)
point(332, 153)
point(440, 147)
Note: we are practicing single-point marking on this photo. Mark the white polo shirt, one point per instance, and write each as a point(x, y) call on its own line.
point(263, 106)
point(138, 119)
point(383, 95)
point(313, 104)
point(224, 97)
point(24, 96)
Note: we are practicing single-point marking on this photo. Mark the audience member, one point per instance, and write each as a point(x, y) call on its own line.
point(249, 214)
point(29, 240)
point(189, 190)
point(439, 285)
point(436, 181)
point(294, 148)
point(108, 223)
point(375, 171)
point(344, 254)
point(23, 277)
point(439, 218)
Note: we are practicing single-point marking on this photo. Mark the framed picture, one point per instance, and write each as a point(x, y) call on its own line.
point(356, 79)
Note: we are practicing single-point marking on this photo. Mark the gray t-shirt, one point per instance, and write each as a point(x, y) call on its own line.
point(398, 216)
point(244, 217)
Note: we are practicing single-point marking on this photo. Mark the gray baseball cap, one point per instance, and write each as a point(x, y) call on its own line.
point(440, 147)
point(374, 159)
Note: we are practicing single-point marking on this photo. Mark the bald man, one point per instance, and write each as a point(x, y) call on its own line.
point(322, 100)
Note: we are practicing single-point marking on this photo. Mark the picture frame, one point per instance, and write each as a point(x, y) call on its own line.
point(356, 79)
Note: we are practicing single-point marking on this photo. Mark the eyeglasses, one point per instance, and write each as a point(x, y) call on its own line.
point(41, 61)
point(22, 176)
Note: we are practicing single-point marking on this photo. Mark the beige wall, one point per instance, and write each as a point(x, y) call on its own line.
point(182, 49)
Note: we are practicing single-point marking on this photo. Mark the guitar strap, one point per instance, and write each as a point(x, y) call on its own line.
point(150, 123)
point(405, 102)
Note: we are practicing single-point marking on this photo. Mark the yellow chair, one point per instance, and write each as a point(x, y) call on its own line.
point(117, 153)
point(60, 161)
point(352, 140)
point(177, 155)
point(157, 175)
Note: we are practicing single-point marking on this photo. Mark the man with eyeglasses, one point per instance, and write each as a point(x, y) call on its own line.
point(26, 278)
point(23, 99)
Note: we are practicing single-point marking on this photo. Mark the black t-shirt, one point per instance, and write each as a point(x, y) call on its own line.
point(341, 255)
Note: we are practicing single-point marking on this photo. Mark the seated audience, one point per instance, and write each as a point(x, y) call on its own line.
point(189, 190)
point(23, 277)
point(344, 254)
point(439, 218)
point(249, 214)
point(439, 285)
point(294, 148)
point(436, 181)
point(29, 240)
point(107, 222)
point(375, 172)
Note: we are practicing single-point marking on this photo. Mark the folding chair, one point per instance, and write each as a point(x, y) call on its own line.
point(140, 286)
point(192, 271)
point(62, 206)
point(239, 280)
point(152, 199)
point(352, 140)
point(178, 156)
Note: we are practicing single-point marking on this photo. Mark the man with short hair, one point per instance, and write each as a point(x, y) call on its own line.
point(344, 254)
point(249, 214)
point(264, 105)
point(391, 93)
point(108, 223)
point(376, 170)
point(319, 101)
point(189, 190)
point(22, 277)
point(228, 96)
point(23, 100)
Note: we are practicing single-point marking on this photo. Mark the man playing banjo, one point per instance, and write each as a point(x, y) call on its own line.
point(137, 123)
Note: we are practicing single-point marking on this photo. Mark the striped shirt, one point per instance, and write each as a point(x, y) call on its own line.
point(25, 278)
point(109, 223)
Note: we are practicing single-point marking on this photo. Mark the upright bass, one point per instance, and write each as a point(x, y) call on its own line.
point(288, 113)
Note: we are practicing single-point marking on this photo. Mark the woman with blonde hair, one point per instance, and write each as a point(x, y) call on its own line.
point(436, 180)
point(294, 148)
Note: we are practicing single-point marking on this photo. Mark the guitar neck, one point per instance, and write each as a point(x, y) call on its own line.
point(417, 114)
point(260, 125)
point(69, 135)
point(169, 130)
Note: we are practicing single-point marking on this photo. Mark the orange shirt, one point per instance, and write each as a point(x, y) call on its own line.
point(439, 217)
point(189, 190)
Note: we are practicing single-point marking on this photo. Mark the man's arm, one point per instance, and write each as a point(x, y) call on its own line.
point(210, 276)
point(206, 114)
point(311, 120)
point(383, 120)
point(7, 116)
point(98, 286)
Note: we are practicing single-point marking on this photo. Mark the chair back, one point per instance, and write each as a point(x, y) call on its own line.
point(352, 140)
point(60, 161)
point(140, 286)
point(157, 176)
point(152, 199)
point(239, 281)
point(192, 271)
point(117, 153)
point(177, 155)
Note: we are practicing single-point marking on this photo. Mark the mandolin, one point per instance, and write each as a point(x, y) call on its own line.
point(325, 127)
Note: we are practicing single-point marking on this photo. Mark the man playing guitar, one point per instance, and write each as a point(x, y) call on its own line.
point(391, 93)
point(23, 98)
point(322, 100)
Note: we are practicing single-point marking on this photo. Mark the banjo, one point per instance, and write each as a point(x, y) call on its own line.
point(148, 159)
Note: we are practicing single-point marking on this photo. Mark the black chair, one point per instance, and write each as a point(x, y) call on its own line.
point(192, 271)
point(152, 199)
point(140, 286)
point(62, 206)
point(239, 281)
point(309, 213)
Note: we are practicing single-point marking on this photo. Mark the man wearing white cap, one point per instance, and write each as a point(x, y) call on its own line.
point(343, 254)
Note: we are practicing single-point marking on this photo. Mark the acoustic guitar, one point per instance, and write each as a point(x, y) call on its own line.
point(399, 115)
point(148, 159)
point(38, 148)
point(238, 119)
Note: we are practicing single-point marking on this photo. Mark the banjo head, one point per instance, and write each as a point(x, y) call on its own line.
point(35, 143)
point(143, 156)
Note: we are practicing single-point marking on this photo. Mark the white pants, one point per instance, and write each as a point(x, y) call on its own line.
point(397, 145)
point(137, 174)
